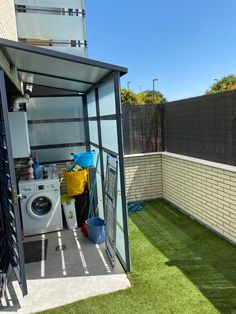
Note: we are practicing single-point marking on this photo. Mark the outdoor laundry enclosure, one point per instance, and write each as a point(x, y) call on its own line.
point(74, 106)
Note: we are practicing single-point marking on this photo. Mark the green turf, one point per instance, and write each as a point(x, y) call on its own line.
point(179, 266)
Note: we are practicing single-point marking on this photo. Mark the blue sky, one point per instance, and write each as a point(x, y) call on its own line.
point(186, 44)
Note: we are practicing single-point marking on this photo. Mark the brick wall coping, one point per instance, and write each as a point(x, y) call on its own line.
point(202, 161)
point(142, 155)
point(187, 158)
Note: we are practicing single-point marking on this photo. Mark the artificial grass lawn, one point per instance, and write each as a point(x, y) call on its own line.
point(179, 266)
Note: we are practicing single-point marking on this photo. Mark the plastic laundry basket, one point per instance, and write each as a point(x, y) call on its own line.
point(96, 230)
point(68, 204)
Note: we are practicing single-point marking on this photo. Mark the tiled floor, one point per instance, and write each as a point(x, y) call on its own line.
point(79, 271)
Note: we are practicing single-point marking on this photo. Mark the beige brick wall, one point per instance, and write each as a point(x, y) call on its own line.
point(8, 20)
point(205, 190)
point(143, 174)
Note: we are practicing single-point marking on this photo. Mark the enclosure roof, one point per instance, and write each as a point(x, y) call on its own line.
point(55, 69)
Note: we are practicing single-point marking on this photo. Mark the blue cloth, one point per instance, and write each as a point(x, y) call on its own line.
point(135, 207)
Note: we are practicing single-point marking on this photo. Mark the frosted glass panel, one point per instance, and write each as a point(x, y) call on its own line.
point(107, 98)
point(100, 199)
point(56, 133)
point(92, 112)
point(120, 242)
point(99, 185)
point(93, 131)
point(55, 108)
point(76, 4)
point(57, 154)
point(75, 51)
point(109, 135)
point(44, 26)
point(96, 154)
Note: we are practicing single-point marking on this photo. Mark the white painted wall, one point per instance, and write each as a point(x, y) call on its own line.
point(8, 20)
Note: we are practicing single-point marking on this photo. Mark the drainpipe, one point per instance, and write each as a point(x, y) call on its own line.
point(22, 99)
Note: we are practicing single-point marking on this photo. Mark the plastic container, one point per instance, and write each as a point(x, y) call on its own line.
point(68, 204)
point(36, 168)
point(84, 160)
point(96, 230)
point(53, 171)
point(30, 169)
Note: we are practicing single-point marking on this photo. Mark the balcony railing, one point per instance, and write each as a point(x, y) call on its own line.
point(49, 10)
point(54, 43)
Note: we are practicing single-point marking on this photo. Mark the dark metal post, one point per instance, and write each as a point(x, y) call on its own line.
point(163, 126)
point(122, 169)
point(100, 146)
point(153, 89)
point(86, 122)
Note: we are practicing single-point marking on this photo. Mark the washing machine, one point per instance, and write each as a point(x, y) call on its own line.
point(40, 206)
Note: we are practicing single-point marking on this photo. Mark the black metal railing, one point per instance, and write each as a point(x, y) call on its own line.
point(49, 10)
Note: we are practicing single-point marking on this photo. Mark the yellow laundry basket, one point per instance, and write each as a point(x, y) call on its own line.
point(76, 182)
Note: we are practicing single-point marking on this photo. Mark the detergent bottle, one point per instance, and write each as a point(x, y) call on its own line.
point(36, 168)
point(30, 169)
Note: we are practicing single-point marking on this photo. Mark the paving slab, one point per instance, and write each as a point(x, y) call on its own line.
point(79, 271)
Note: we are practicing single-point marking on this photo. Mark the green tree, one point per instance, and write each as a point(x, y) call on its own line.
point(147, 97)
point(128, 97)
point(226, 83)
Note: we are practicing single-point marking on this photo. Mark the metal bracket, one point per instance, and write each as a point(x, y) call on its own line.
point(14, 195)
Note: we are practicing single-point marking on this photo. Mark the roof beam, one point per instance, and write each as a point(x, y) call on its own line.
point(56, 77)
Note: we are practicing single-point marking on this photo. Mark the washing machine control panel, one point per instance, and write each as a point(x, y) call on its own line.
point(47, 186)
point(27, 189)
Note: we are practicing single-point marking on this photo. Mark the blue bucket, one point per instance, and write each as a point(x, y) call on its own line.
point(96, 230)
point(84, 160)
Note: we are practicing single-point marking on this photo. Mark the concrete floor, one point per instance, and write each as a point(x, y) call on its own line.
point(79, 271)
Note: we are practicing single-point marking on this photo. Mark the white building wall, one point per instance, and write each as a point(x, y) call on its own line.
point(8, 20)
point(41, 23)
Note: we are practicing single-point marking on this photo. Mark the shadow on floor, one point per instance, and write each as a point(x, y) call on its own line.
point(78, 257)
point(57, 277)
point(207, 260)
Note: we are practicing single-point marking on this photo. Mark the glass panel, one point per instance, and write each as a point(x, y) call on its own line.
point(93, 131)
point(56, 3)
point(56, 133)
point(55, 108)
point(92, 111)
point(57, 154)
point(76, 51)
point(99, 186)
point(109, 135)
point(44, 26)
point(107, 98)
point(120, 244)
point(100, 199)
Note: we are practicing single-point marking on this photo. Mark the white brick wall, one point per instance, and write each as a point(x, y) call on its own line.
point(143, 176)
point(8, 20)
point(205, 190)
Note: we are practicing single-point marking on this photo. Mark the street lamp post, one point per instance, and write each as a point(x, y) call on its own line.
point(153, 89)
point(128, 85)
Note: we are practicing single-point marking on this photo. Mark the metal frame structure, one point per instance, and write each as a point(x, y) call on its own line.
point(10, 213)
point(100, 72)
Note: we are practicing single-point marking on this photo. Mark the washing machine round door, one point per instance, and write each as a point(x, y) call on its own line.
point(41, 205)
